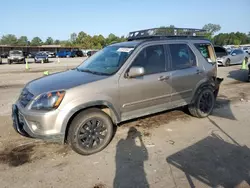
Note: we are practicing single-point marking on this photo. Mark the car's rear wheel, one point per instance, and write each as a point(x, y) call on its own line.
point(203, 104)
point(90, 132)
point(227, 63)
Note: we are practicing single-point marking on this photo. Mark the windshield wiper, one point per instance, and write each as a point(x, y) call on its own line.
point(92, 72)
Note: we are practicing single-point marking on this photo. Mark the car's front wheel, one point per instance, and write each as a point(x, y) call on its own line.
point(227, 63)
point(90, 132)
point(203, 103)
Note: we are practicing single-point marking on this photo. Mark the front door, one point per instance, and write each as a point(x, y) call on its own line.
point(148, 93)
point(237, 57)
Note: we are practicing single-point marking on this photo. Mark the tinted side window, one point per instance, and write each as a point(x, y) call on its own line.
point(182, 56)
point(207, 52)
point(152, 58)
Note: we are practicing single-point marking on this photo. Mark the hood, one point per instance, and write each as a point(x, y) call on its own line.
point(63, 80)
point(16, 55)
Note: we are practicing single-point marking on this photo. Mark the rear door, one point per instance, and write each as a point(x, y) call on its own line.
point(185, 73)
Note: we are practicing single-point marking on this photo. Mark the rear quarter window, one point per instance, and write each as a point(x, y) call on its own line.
point(207, 51)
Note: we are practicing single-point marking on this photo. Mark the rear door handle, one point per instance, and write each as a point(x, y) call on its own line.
point(163, 78)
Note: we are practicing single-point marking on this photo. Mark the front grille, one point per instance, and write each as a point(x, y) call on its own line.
point(25, 97)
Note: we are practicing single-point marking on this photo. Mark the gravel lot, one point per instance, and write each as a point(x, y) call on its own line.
point(176, 150)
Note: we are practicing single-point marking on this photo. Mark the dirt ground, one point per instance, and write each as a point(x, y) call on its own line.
point(170, 149)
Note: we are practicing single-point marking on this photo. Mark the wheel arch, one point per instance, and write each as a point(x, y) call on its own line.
point(104, 106)
point(205, 84)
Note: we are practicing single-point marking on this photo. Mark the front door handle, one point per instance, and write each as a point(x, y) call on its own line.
point(163, 78)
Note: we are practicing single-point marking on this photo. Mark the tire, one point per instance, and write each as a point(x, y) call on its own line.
point(85, 125)
point(195, 108)
point(227, 63)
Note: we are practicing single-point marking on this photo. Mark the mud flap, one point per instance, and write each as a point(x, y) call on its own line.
point(217, 86)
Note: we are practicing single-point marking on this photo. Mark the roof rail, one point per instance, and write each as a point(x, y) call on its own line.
point(166, 32)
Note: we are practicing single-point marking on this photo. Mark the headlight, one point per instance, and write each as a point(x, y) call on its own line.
point(48, 101)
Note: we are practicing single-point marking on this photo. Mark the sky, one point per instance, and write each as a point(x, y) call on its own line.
point(59, 18)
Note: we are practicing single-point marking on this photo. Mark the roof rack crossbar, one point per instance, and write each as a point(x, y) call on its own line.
point(166, 32)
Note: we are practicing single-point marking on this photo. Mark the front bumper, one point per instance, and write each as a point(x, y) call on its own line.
point(41, 59)
point(25, 128)
point(16, 59)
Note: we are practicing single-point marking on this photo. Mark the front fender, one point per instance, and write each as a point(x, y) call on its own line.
point(68, 112)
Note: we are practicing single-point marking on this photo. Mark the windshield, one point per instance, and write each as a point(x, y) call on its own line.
point(41, 53)
point(16, 52)
point(107, 61)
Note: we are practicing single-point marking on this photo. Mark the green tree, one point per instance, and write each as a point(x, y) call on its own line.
point(80, 37)
point(36, 41)
point(9, 39)
point(237, 38)
point(73, 37)
point(49, 41)
point(23, 41)
point(66, 43)
point(57, 42)
point(112, 38)
point(212, 28)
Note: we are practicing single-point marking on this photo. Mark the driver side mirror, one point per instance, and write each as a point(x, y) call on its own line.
point(233, 54)
point(135, 72)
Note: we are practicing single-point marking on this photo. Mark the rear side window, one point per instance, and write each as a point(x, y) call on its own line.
point(182, 56)
point(207, 52)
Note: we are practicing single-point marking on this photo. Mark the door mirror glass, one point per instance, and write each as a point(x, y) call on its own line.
point(233, 54)
point(135, 72)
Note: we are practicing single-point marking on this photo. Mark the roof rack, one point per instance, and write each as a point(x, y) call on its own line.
point(166, 32)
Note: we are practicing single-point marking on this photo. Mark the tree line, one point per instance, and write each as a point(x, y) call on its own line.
point(86, 41)
point(81, 39)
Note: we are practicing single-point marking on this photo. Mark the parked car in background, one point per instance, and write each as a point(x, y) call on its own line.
point(50, 54)
point(246, 49)
point(226, 59)
point(66, 53)
point(32, 54)
point(79, 53)
point(85, 53)
point(249, 72)
point(25, 54)
point(4, 55)
point(16, 56)
point(41, 57)
point(1, 60)
point(91, 52)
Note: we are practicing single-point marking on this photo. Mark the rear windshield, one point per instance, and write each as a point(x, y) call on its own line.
point(207, 51)
point(220, 51)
